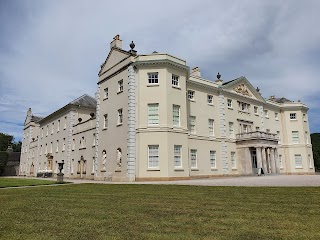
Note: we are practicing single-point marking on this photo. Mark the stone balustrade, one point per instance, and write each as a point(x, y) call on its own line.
point(256, 135)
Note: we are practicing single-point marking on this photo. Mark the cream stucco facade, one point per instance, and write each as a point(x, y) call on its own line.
point(154, 119)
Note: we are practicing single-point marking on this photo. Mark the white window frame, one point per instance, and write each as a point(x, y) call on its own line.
point(298, 161)
point(295, 137)
point(105, 121)
point(58, 127)
point(57, 148)
point(65, 123)
point(276, 116)
point(51, 147)
point(120, 86)
point(47, 130)
point(175, 80)
point(153, 78)
point(52, 128)
point(106, 93)
point(310, 161)
point(153, 157)
point(229, 103)
point(191, 95)
point(120, 116)
point(211, 127)
point(233, 160)
point(256, 110)
point(176, 115)
point(63, 144)
point(193, 159)
point(210, 99)
point(177, 156)
point(266, 113)
point(213, 159)
point(153, 114)
point(306, 137)
point(293, 116)
point(192, 124)
point(231, 130)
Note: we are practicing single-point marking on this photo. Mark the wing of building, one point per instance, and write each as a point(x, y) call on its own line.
point(154, 119)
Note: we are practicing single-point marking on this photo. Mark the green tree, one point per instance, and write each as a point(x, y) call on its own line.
point(5, 141)
point(315, 140)
point(3, 160)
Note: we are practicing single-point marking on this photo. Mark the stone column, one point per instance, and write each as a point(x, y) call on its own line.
point(264, 161)
point(277, 160)
point(272, 161)
point(259, 157)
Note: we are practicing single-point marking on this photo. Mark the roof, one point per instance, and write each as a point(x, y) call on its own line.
point(239, 78)
point(84, 101)
point(36, 118)
point(280, 100)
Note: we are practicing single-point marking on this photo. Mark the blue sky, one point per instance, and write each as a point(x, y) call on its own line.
point(51, 51)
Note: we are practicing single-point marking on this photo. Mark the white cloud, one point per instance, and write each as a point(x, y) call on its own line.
point(55, 52)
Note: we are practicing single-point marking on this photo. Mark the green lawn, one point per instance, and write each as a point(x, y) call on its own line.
point(17, 182)
point(97, 211)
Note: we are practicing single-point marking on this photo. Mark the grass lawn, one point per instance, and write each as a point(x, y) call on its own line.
point(98, 211)
point(17, 182)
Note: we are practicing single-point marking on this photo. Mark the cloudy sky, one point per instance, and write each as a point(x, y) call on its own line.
point(51, 51)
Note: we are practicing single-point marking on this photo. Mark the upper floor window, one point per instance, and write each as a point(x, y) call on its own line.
point(255, 110)
point(231, 130)
point(153, 78)
point(210, 99)
point(190, 95)
point(41, 133)
point(47, 130)
point(120, 116)
point(211, 127)
point(153, 114)
point(106, 93)
point(94, 140)
point(52, 129)
point(266, 113)
point(276, 116)
point(176, 115)
point(293, 116)
point(192, 124)
point(65, 122)
point(304, 117)
point(243, 107)
point(229, 103)
point(175, 80)
point(57, 148)
point(58, 127)
point(295, 137)
point(105, 122)
point(120, 86)
point(64, 144)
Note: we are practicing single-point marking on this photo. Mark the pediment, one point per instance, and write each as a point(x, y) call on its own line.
point(115, 56)
point(244, 88)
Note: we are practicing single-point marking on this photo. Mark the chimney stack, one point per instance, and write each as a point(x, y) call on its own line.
point(195, 72)
point(117, 42)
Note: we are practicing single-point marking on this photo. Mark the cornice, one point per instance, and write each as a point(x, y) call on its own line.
point(165, 62)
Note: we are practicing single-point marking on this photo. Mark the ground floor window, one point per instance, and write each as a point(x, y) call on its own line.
point(298, 160)
point(213, 162)
point(233, 160)
point(153, 156)
point(177, 156)
point(193, 157)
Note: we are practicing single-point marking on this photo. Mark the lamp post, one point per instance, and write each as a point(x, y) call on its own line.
point(60, 174)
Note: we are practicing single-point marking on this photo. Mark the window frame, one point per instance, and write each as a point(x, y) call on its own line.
point(120, 86)
point(175, 80)
point(293, 116)
point(156, 166)
point(192, 124)
point(193, 161)
point(174, 117)
point(295, 161)
point(177, 155)
point(105, 121)
point(153, 78)
point(211, 127)
point(210, 99)
point(229, 103)
point(153, 116)
point(213, 161)
point(120, 117)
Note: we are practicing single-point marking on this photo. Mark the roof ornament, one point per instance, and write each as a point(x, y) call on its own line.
point(258, 89)
point(132, 45)
point(218, 76)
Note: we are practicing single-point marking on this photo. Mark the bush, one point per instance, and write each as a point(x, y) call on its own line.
point(3, 160)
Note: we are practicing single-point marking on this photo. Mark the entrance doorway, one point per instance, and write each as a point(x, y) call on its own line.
point(254, 160)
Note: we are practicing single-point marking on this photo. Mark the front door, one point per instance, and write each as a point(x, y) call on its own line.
point(254, 161)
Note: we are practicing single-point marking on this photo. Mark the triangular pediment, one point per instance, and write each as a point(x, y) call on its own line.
point(115, 56)
point(243, 87)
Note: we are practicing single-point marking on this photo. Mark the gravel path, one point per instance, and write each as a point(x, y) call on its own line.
point(252, 181)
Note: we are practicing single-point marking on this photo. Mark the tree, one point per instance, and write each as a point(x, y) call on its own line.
point(5, 141)
point(315, 140)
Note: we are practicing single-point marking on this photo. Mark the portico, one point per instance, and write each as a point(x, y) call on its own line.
point(257, 150)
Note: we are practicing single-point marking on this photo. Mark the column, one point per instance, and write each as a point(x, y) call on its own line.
point(272, 160)
point(259, 157)
point(277, 160)
point(264, 161)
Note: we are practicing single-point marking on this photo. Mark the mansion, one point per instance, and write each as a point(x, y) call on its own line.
point(153, 118)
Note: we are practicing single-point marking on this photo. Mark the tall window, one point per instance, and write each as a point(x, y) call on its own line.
point(176, 115)
point(293, 116)
point(190, 95)
point(57, 148)
point(41, 132)
point(213, 161)
point(52, 129)
point(243, 107)
point(65, 122)
point(295, 137)
point(58, 127)
point(64, 144)
point(46, 149)
point(280, 161)
point(120, 86)
point(231, 130)
point(193, 157)
point(175, 80)
point(233, 160)
point(153, 78)
point(310, 161)
point(94, 140)
point(276, 116)
point(73, 144)
point(192, 124)
point(298, 160)
point(47, 130)
point(51, 146)
point(153, 156)
point(153, 114)
point(278, 137)
point(106, 93)
point(177, 156)
point(229, 103)
point(211, 127)
point(255, 110)
point(266, 113)
point(120, 117)
point(306, 137)
point(210, 99)
point(304, 117)
point(105, 121)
